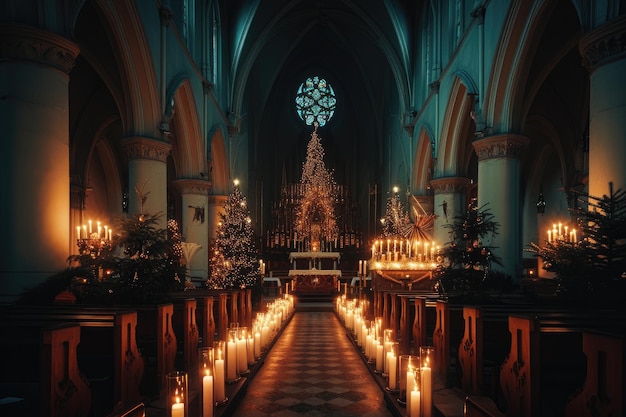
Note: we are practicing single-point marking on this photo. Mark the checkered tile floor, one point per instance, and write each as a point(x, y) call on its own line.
point(313, 370)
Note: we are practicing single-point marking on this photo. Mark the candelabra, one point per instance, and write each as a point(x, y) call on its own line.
point(93, 246)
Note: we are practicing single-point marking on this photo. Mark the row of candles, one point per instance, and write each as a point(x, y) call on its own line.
point(562, 233)
point(408, 375)
point(228, 360)
point(394, 250)
point(86, 231)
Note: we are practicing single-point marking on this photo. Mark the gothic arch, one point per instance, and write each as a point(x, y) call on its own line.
point(423, 163)
point(188, 148)
point(518, 42)
point(454, 148)
point(138, 100)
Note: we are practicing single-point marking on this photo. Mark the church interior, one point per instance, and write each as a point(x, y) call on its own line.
point(313, 207)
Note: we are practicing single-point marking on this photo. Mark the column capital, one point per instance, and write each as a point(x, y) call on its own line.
point(27, 43)
point(508, 145)
point(604, 44)
point(450, 184)
point(193, 186)
point(147, 148)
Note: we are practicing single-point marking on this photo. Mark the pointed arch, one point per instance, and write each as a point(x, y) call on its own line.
point(423, 163)
point(188, 149)
point(455, 145)
point(518, 41)
point(138, 99)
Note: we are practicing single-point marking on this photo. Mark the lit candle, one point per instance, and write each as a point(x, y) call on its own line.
point(394, 245)
point(99, 230)
point(373, 250)
point(220, 390)
point(415, 404)
point(427, 390)
point(575, 239)
point(250, 348)
point(410, 385)
point(242, 355)
point(388, 243)
point(393, 366)
point(77, 232)
point(549, 236)
point(178, 409)
point(89, 227)
point(110, 234)
point(257, 344)
point(379, 357)
point(207, 395)
point(231, 360)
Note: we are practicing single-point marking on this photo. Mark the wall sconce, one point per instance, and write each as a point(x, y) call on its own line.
point(541, 204)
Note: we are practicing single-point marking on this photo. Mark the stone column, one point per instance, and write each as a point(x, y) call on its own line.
point(499, 189)
point(450, 196)
point(147, 175)
point(195, 227)
point(35, 186)
point(604, 55)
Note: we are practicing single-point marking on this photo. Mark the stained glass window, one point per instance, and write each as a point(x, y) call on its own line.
point(315, 101)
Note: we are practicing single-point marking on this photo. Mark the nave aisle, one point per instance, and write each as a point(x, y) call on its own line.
point(314, 370)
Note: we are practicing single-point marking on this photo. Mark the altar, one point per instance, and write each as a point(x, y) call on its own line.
point(314, 279)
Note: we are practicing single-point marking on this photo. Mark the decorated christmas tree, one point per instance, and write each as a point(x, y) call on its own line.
point(233, 259)
point(315, 218)
point(396, 220)
point(466, 261)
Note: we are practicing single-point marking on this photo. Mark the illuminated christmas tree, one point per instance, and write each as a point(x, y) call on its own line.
point(315, 220)
point(233, 256)
point(396, 220)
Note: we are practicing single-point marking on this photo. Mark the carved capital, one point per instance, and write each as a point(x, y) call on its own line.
point(604, 44)
point(147, 148)
point(500, 146)
point(450, 185)
point(193, 186)
point(26, 43)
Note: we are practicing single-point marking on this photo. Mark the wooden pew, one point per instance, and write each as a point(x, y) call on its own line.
point(602, 393)
point(546, 362)
point(448, 330)
point(157, 343)
point(186, 330)
point(41, 360)
point(108, 352)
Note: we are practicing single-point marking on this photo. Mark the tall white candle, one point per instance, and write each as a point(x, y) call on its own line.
point(415, 404)
point(242, 355)
point(427, 391)
point(379, 357)
point(257, 344)
point(410, 385)
point(207, 396)
point(77, 232)
point(393, 368)
point(231, 361)
point(220, 389)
